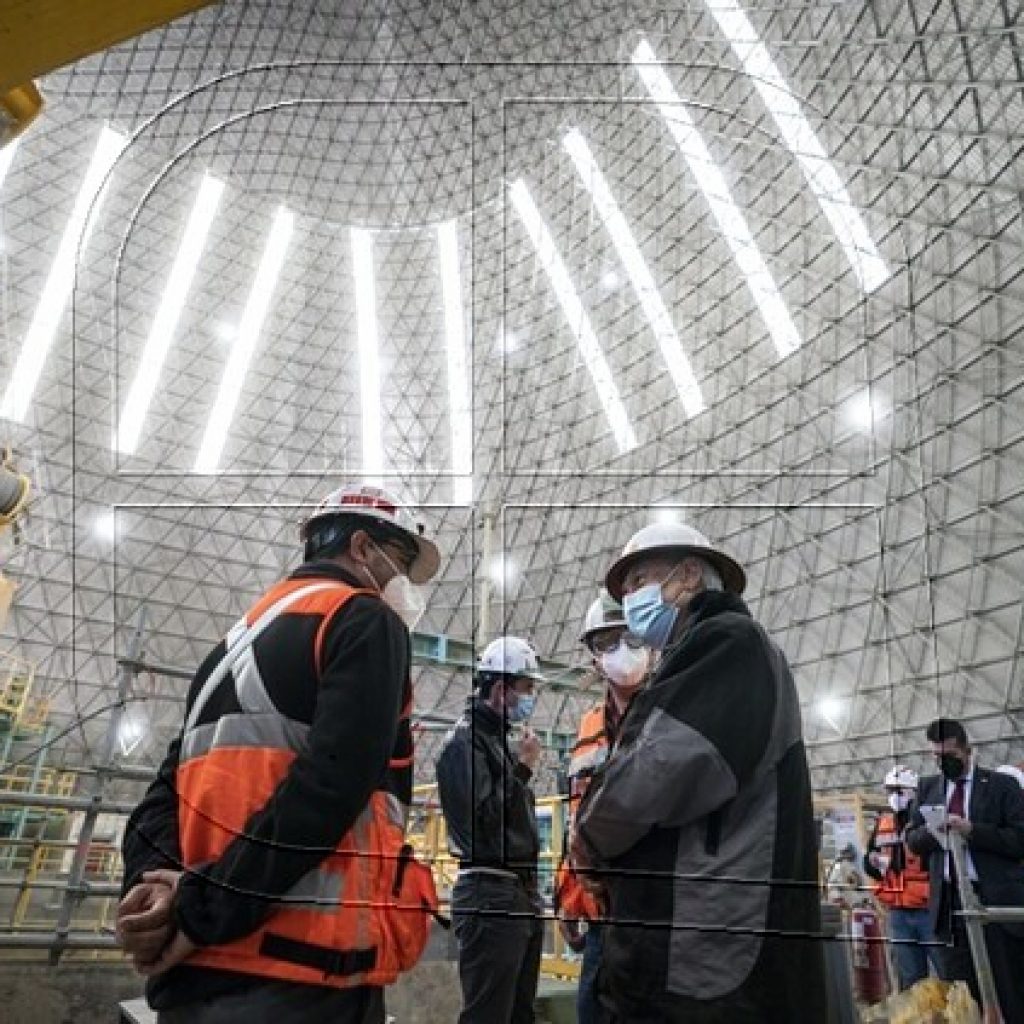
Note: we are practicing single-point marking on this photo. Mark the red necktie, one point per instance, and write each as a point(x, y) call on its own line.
point(957, 806)
point(957, 803)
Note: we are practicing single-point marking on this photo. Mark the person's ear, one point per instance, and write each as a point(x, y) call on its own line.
point(361, 547)
point(685, 581)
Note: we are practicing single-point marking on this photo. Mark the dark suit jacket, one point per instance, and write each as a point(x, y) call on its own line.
point(996, 842)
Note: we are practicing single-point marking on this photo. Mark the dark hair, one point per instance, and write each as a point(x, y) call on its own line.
point(947, 729)
point(486, 681)
point(331, 537)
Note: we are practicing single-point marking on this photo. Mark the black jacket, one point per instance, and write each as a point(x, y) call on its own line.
point(485, 795)
point(352, 706)
point(703, 824)
point(996, 842)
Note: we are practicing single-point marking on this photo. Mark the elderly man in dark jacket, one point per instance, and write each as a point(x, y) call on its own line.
point(700, 825)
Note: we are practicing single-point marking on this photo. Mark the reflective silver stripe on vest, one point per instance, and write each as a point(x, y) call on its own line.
point(272, 731)
point(315, 890)
point(590, 761)
point(397, 812)
point(239, 641)
point(249, 686)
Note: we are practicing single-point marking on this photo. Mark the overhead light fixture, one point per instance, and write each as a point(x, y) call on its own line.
point(249, 328)
point(610, 280)
point(800, 138)
point(369, 356)
point(831, 710)
point(639, 275)
point(460, 409)
point(104, 526)
point(133, 728)
point(225, 331)
point(7, 158)
point(731, 221)
point(60, 281)
point(864, 410)
point(575, 315)
point(502, 572)
point(666, 514)
point(168, 313)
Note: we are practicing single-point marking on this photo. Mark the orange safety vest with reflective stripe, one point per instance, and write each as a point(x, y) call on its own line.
point(907, 889)
point(587, 755)
point(356, 919)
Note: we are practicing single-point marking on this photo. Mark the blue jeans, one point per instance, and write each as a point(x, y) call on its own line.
point(913, 945)
point(588, 1007)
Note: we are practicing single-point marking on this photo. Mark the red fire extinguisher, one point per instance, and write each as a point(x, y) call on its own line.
point(870, 977)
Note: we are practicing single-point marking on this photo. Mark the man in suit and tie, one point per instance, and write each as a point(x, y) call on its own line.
point(987, 809)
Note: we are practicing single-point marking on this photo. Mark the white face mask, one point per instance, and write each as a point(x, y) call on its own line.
point(899, 801)
point(625, 666)
point(401, 594)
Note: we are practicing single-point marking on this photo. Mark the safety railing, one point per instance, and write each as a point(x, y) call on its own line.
point(976, 916)
point(32, 896)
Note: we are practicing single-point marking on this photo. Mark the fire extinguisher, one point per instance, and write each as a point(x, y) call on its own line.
point(870, 977)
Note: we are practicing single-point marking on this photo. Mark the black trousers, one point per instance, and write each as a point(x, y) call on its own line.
point(500, 931)
point(281, 1002)
point(1005, 952)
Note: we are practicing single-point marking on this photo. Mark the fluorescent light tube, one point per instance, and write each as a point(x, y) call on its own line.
point(459, 403)
point(60, 281)
point(575, 315)
point(369, 356)
point(244, 345)
point(731, 221)
point(643, 282)
point(799, 136)
point(168, 313)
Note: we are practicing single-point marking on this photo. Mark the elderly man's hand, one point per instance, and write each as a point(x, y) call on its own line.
point(145, 917)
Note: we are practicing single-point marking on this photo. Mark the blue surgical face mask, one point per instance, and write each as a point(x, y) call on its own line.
point(649, 616)
point(523, 708)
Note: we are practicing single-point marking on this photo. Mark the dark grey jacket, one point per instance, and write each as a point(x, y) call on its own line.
point(996, 842)
point(702, 818)
point(485, 795)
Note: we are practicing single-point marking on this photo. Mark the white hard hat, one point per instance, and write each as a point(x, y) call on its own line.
point(376, 504)
point(510, 656)
point(901, 777)
point(1013, 771)
point(673, 539)
point(604, 613)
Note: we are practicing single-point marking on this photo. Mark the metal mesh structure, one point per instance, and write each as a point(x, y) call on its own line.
point(860, 444)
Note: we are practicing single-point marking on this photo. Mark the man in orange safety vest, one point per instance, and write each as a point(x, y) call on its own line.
point(622, 662)
point(266, 873)
point(901, 882)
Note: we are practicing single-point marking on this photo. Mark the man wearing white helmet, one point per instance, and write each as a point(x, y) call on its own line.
point(286, 792)
point(488, 807)
point(700, 824)
point(902, 883)
point(622, 662)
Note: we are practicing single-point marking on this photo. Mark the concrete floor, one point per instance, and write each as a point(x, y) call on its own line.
point(90, 994)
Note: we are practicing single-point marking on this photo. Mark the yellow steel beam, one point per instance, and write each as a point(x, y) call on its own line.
point(19, 107)
point(39, 36)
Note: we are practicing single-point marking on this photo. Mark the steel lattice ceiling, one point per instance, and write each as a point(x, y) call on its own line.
point(887, 562)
